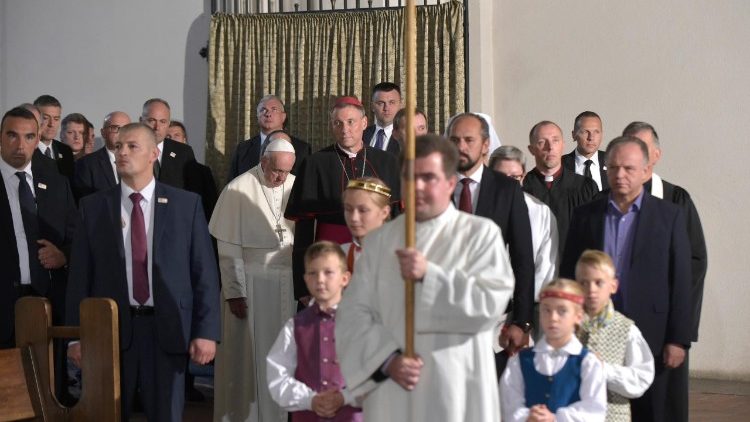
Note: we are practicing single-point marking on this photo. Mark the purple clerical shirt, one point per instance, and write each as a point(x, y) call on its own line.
point(619, 232)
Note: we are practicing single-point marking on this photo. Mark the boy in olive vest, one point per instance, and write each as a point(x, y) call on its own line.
point(619, 344)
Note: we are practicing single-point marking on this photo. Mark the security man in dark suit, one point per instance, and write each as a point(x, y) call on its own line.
point(97, 170)
point(51, 110)
point(487, 193)
point(271, 118)
point(175, 158)
point(586, 159)
point(146, 245)
point(386, 102)
point(648, 242)
point(37, 221)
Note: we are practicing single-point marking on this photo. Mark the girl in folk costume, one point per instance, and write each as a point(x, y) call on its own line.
point(558, 379)
point(366, 207)
point(616, 341)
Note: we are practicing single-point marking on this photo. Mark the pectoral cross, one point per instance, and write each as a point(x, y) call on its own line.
point(280, 232)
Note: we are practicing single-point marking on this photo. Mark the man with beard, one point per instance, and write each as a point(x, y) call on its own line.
point(487, 193)
point(561, 189)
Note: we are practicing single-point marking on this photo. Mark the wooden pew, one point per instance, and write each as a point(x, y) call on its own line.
point(26, 371)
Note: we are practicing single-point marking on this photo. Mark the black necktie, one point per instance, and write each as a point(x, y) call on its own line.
point(48, 152)
point(587, 170)
point(157, 169)
point(39, 276)
point(380, 139)
point(263, 146)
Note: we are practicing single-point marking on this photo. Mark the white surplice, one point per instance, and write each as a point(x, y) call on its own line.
point(544, 241)
point(458, 303)
point(257, 265)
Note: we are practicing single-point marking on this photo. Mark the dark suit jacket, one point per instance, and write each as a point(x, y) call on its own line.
point(93, 173)
point(57, 216)
point(569, 162)
point(247, 155)
point(501, 200)
point(175, 157)
point(659, 273)
point(393, 145)
point(200, 179)
point(185, 277)
point(64, 159)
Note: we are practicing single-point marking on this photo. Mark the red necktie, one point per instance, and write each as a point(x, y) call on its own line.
point(464, 202)
point(139, 248)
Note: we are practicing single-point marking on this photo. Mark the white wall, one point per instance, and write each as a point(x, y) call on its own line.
point(97, 56)
point(682, 66)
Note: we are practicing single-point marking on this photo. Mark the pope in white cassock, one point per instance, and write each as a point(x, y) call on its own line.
point(255, 258)
point(464, 284)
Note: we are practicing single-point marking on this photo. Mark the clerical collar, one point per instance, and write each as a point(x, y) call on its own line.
point(548, 179)
point(349, 153)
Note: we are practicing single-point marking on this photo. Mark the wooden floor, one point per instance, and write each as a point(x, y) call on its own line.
point(710, 401)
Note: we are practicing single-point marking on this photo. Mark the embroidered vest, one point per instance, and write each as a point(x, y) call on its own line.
point(554, 391)
point(609, 342)
point(317, 365)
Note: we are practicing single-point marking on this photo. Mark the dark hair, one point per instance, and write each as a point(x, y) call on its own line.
point(401, 116)
point(177, 123)
point(622, 140)
point(536, 127)
point(22, 112)
point(635, 127)
point(431, 143)
point(325, 247)
point(47, 100)
point(386, 87)
point(74, 118)
point(484, 126)
point(580, 117)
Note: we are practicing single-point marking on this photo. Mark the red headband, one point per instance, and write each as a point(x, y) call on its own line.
point(562, 295)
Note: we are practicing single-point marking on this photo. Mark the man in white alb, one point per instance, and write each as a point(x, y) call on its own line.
point(255, 258)
point(464, 282)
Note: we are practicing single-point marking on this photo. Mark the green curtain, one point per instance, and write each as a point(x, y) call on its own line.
point(308, 59)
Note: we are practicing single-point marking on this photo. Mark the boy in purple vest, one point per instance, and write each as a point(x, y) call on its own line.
point(303, 371)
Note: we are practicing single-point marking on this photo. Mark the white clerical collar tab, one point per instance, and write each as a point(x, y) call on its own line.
point(162, 200)
point(41, 186)
point(549, 178)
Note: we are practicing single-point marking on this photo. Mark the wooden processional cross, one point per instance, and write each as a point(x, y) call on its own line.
point(410, 49)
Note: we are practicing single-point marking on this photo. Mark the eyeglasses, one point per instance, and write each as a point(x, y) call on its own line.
point(272, 110)
point(113, 128)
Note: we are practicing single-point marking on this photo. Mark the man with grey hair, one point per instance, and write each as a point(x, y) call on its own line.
point(174, 158)
point(550, 182)
point(648, 242)
point(660, 188)
point(271, 117)
point(511, 162)
point(255, 258)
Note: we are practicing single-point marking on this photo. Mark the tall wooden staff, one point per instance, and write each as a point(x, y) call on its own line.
point(410, 48)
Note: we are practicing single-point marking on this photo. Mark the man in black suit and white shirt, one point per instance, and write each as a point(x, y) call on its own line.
point(271, 117)
point(51, 111)
point(386, 102)
point(487, 193)
point(586, 159)
point(97, 171)
point(175, 158)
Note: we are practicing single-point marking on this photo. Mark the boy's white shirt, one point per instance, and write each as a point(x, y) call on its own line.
point(633, 378)
point(548, 361)
point(291, 394)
